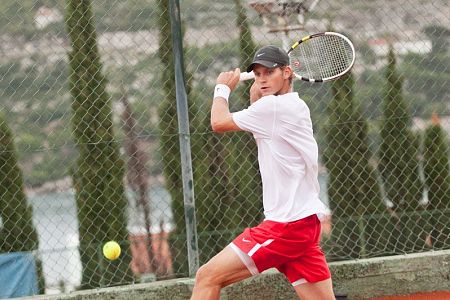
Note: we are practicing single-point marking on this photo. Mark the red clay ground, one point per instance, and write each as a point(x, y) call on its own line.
point(419, 296)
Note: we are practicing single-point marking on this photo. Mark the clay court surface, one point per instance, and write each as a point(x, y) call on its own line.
point(419, 296)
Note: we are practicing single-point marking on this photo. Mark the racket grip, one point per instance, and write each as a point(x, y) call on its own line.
point(247, 76)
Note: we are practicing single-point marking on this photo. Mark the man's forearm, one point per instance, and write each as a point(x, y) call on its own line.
point(220, 114)
point(221, 118)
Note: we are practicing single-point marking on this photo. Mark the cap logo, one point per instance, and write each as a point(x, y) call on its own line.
point(269, 56)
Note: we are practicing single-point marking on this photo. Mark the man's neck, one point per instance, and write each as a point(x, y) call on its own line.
point(288, 88)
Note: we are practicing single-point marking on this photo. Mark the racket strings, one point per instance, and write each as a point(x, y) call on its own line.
point(322, 57)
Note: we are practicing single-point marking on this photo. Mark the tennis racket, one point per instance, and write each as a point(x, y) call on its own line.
point(319, 57)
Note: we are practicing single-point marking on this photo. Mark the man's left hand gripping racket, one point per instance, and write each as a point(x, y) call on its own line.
point(319, 57)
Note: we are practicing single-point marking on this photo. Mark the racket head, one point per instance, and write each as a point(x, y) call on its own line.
point(322, 57)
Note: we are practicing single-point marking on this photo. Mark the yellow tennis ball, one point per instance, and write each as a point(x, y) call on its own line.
point(111, 250)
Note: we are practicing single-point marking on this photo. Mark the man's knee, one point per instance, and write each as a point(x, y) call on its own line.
point(205, 275)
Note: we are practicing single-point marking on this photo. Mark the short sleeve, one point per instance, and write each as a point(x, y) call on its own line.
point(258, 118)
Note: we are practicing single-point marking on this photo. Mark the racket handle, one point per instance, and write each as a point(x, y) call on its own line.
point(247, 76)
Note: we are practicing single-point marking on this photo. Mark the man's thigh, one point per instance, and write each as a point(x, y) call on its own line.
point(226, 267)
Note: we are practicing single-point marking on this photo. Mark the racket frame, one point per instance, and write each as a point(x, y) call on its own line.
point(251, 75)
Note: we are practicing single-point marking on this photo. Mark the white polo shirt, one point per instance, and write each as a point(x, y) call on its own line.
point(287, 156)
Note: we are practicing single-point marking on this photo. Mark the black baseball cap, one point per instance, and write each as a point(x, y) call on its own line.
point(270, 57)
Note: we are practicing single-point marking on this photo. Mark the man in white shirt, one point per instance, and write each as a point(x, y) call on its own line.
point(289, 237)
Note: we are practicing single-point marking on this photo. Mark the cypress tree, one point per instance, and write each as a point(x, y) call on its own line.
point(18, 233)
point(247, 48)
point(372, 213)
point(399, 166)
point(230, 175)
point(215, 205)
point(353, 189)
point(228, 180)
point(246, 181)
point(99, 171)
point(437, 180)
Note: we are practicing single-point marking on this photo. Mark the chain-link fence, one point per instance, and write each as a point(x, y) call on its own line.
point(90, 145)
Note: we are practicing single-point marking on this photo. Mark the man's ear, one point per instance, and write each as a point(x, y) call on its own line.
point(287, 72)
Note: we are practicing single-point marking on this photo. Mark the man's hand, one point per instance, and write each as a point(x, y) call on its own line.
point(255, 93)
point(230, 78)
point(221, 118)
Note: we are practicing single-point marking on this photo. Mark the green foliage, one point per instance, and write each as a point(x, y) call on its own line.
point(436, 169)
point(22, 23)
point(98, 173)
point(398, 150)
point(18, 232)
point(244, 153)
point(230, 175)
point(246, 44)
point(353, 187)
point(399, 166)
point(439, 36)
point(34, 104)
point(426, 89)
point(132, 15)
point(428, 76)
point(437, 180)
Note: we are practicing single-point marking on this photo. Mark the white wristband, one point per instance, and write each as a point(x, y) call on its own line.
point(222, 90)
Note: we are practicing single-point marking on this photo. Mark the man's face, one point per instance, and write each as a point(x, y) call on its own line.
point(270, 81)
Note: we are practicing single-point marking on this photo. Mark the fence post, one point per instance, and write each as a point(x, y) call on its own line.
point(185, 142)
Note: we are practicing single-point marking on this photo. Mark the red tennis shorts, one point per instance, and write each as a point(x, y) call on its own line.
point(293, 248)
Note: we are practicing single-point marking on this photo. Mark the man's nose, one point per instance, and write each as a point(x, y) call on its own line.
point(262, 78)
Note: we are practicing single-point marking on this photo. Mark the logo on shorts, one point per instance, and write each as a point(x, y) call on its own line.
point(245, 240)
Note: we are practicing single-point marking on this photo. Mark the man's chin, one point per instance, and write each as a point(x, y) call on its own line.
point(267, 93)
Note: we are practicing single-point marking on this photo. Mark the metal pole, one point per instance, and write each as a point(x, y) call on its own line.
point(185, 142)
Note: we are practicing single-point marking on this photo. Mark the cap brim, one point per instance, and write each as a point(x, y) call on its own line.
point(265, 63)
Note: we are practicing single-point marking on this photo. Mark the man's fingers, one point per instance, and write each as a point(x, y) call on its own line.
point(230, 78)
point(237, 72)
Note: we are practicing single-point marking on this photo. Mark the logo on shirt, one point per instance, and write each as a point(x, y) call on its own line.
point(245, 240)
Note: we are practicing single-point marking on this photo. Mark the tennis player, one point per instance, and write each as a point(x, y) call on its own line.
point(288, 238)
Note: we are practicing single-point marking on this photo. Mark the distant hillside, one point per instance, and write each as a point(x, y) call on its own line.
point(33, 64)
